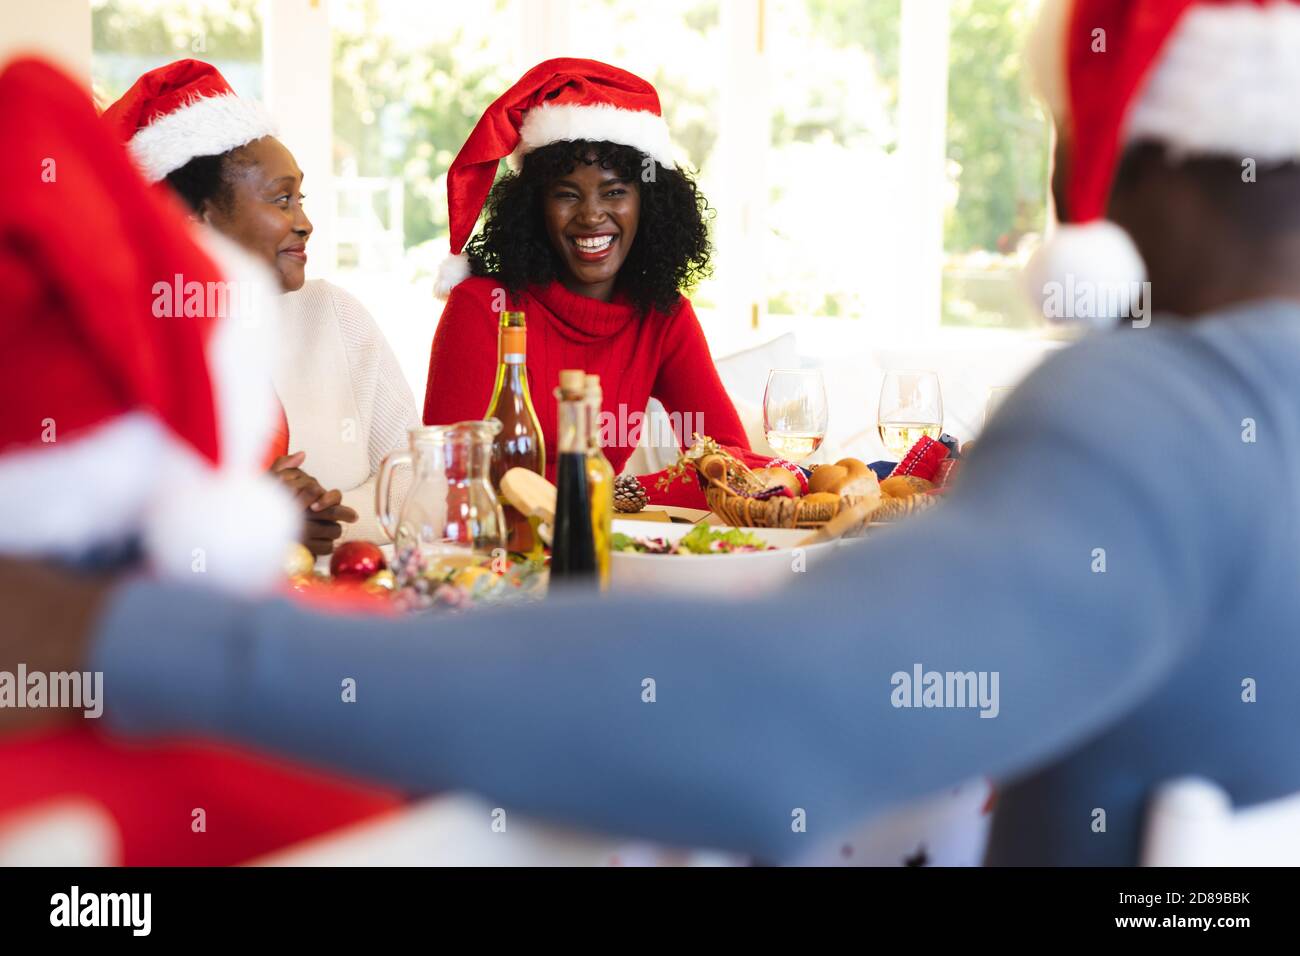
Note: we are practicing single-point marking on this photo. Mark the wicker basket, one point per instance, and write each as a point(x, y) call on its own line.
point(778, 512)
point(721, 474)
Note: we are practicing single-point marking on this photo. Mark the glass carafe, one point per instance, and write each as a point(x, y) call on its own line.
point(451, 518)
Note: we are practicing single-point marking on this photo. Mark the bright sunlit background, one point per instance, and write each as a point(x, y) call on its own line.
point(878, 168)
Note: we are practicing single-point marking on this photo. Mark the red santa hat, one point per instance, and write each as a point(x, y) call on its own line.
point(1202, 77)
point(558, 100)
point(180, 111)
point(136, 370)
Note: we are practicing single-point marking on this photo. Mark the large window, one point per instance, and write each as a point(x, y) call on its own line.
point(832, 154)
point(410, 80)
point(998, 142)
point(130, 37)
point(879, 161)
point(674, 44)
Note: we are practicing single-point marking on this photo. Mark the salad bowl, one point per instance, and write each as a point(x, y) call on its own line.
point(713, 560)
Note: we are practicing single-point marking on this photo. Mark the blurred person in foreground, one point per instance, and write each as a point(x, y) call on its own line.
point(132, 438)
point(1133, 601)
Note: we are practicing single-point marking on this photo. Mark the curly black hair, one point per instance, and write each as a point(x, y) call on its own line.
point(669, 255)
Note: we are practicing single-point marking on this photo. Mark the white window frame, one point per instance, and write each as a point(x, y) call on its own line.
point(745, 138)
point(298, 71)
point(297, 88)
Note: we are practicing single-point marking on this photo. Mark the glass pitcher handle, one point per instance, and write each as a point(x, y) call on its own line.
point(383, 491)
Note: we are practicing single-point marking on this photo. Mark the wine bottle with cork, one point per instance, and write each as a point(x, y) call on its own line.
point(600, 483)
point(519, 443)
point(573, 551)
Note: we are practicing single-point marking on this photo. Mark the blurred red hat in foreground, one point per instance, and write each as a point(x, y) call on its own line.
point(1202, 77)
point(135, 368)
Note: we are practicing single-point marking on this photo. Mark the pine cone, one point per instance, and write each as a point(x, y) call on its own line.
point(629, 494)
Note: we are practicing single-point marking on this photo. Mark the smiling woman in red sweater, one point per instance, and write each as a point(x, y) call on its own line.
point(594, 236)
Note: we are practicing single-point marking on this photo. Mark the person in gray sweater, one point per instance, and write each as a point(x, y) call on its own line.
point(1099, 557)
point(1102, 556)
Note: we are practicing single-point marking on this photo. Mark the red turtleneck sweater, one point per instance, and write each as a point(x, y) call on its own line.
point(664, 356)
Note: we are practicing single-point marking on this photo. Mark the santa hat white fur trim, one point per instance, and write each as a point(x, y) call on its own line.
point(242, 352)
point(238, 519)
point(599, 122)
point(197, 524)
point(206, 126)
point(1090, 274)
point(230, 526)
point(1227, 84)
point(452, 271)
point(80, 492)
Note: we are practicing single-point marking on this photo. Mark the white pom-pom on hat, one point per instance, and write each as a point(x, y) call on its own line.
point(221, 528)
point(452, 271)
point(1091, 273)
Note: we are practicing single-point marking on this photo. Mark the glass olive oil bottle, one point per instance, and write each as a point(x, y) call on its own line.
point(519, 444)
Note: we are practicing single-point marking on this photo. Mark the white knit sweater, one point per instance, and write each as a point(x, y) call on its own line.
point(344, 395)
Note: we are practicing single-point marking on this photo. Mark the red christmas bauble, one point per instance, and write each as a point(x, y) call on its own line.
point(357, 560)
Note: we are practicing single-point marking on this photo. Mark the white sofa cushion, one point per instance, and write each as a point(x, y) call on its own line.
point(744, 373)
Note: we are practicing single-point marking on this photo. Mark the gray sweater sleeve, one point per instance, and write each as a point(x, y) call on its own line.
point(770, 706)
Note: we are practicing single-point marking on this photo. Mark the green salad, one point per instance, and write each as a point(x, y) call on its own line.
point(702, 539)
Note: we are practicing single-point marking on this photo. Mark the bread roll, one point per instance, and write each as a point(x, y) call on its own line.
point(904, 486)
point(779, 476)
point(826, 477)
point(861, 485)
point(855, 468)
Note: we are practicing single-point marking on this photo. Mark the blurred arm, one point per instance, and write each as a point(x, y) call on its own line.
point(771, 706)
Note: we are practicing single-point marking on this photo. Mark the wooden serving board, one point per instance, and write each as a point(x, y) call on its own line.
point(688, 515)
point(647, 515)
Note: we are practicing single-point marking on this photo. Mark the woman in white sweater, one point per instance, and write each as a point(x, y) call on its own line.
point(346, 404)
point(327, 336)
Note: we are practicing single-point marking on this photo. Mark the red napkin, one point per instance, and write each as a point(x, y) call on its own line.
point(922, 460)
point(687, 492)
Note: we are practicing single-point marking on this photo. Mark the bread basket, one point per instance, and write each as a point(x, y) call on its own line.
point(776, 512)
point(737, 495)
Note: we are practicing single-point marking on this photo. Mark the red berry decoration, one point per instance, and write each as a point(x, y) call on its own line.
point(357, 561)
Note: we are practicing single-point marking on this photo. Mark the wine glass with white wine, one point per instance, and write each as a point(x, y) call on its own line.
point(795, 412)
point(911, 405)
